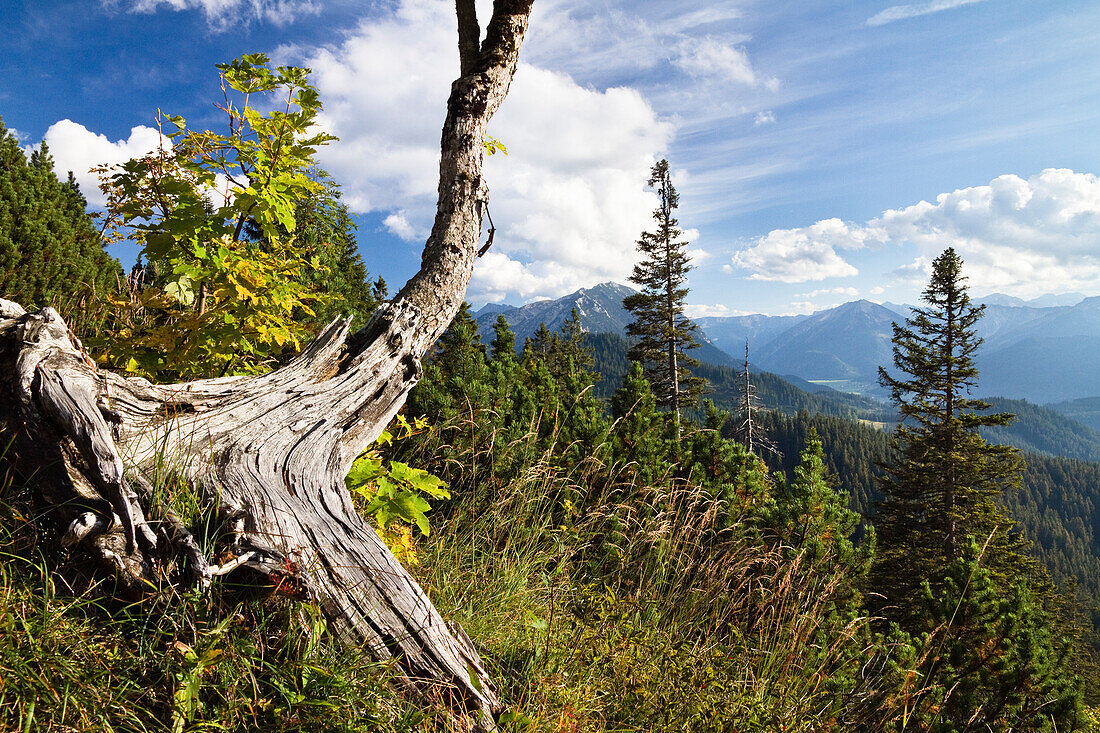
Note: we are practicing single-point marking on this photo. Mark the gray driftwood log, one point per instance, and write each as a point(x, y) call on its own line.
point(270, 452)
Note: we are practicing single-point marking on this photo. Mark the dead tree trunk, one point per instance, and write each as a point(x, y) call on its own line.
point(270, 452)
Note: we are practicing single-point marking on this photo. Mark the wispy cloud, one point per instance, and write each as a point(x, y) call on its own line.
point(848, 292)
point(221, 15)
point(764, 117)
point(713, 310)
point(398, 224)
point(901, 12)
point(712, 57)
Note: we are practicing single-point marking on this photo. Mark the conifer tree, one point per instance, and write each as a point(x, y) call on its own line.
point(379, 290)
point(50, 251)
point(325, 227)
point(460, 354)
point(565, 351)
point(940, 487)
point(994, 658)
point(639, 439)
point(503, 345)
point(538, 344)
point(662, 330)
point(573, 352)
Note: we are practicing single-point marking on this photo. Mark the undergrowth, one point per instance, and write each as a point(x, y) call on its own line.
point(607, 606)
point(599, 601)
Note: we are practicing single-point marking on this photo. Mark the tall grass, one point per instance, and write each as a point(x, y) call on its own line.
point(609, 605)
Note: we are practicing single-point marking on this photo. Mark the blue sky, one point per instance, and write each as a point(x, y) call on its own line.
point(823, 151)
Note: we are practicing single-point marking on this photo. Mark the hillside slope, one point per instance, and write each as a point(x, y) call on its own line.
point(775, 392)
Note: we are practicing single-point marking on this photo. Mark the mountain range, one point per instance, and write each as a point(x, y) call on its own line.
point(1032, 351)
point(1041, 354)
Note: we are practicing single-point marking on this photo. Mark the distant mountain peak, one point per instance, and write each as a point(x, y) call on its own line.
point(493, 308)
point(609, 286)
point(1001, 299)
point(1050, 300)
point(600, 310)
point(862, 305)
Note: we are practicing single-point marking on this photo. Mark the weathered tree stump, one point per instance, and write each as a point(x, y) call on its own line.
point(270, 452)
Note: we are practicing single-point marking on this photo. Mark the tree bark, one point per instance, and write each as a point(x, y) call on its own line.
point(270, 452)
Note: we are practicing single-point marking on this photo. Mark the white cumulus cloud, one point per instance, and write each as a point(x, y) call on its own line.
point(697, 255)
point(75, 148)
point(804, 254)
point(1020, 236)
point(568, 200)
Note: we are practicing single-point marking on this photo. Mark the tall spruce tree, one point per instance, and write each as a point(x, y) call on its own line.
point(662, 330)
point(50, 251)
point(939, 489)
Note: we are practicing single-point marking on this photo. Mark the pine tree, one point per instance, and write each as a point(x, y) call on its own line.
point(538, 345)
point(460, 353)
point(50, 251)
point(639, 438)
point(503, 346)
point(572, 353)
point(940, 487)
point(993, 658)
point(379, 290)
point(812, 517)
point(662, 330)
point(729, 472)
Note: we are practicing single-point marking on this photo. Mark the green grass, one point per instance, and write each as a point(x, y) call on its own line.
point(597, 605)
